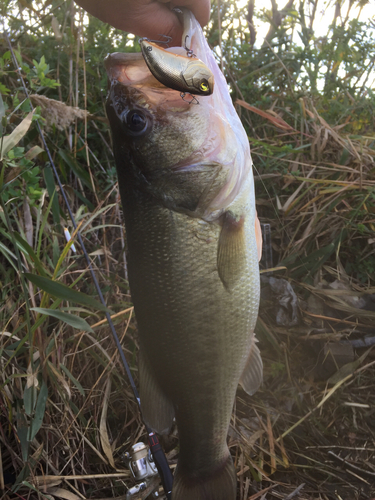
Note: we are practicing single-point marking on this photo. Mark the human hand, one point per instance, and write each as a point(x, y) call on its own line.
point(148, 18)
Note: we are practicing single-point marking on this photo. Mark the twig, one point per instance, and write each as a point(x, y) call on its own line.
point(294, 493)
point(352, 466)
point(117, 315)
point(327, 396)
point(354, 448)
point(261, 492)
point(220, 40)
point(1, 472)
point(291, 82)
point(272, 444)
point(40, 480)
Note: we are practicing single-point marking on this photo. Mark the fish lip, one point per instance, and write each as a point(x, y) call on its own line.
point(120, 58)
point(116, 62)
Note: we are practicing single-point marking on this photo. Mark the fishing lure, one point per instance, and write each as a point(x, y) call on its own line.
point(187, 74)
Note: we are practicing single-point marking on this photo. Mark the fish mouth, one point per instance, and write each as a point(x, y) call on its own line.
point(130, 70)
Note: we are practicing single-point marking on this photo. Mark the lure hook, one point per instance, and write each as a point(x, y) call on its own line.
point(189, 52)
point(194, 100)
point(166, 42)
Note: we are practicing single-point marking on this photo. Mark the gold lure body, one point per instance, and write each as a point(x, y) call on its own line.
point(179, 72)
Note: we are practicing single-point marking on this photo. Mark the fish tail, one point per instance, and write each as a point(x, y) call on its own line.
point(217, 484)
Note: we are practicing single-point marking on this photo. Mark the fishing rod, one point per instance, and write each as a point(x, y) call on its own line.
point(156, 450)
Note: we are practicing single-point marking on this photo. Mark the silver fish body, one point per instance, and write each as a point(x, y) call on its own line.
point(193, 242)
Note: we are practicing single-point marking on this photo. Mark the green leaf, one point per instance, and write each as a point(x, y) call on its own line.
point(4, 89)
point(29, 399)
point(63, 292)
point(73, 379)
point(37, 491)
point(26, 248)
point(88, 203)
point(37, 421)
point(25, 472)
point(74, 321)
point(22, 433)
point(2, 113)
point(51, 188)
point(10, 256)
point(77, 412)
point(76, 168)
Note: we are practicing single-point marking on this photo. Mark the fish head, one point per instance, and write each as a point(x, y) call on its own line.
point(163, 133)
point(153, 122)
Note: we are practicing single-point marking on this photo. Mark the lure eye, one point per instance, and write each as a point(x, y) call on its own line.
point(136, 121)
point(204, 85)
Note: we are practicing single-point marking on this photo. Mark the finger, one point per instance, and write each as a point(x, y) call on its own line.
point(157, 20)
point(200, 8)
point(140, 17)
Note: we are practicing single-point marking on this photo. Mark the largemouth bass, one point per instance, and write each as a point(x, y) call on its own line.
point(187, 192)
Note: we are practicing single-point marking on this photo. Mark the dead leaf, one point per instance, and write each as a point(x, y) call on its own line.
point(62, 493)
point(294, 195)
point(29, 228)
point(61, 379)
point(275, 120)
point(33, 152)
point(347, 369)
point(103, 426)
point(9, 141)
point(56, 29)
point(45, 482)
point(254, 437)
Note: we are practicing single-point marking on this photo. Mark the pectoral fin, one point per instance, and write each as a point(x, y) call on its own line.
point(157, 410)
point(252, 375)
point(231, 252)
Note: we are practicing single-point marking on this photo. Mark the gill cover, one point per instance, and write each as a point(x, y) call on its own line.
point(176, 71)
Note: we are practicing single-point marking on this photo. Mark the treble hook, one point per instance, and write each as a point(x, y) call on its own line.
point(189, 52)
point(165, 42)
point(194, 100)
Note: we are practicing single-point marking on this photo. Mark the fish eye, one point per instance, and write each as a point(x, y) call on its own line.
point(136, 121)
point(203, 86)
